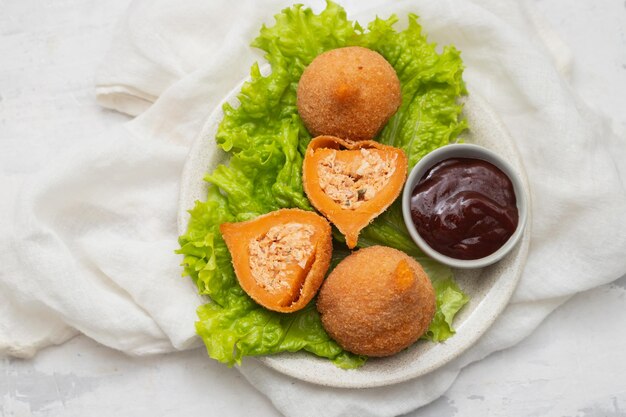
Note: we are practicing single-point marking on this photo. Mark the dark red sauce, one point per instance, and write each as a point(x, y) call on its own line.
point(464, 208)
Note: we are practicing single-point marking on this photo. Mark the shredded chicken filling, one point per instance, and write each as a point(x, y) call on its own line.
point(350, 184)
point(276, 253)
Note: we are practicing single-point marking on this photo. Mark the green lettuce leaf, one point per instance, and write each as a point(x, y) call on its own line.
point(450, 299)
point(266, 140)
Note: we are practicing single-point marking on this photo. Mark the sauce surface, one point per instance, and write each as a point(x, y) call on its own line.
point(464, 208)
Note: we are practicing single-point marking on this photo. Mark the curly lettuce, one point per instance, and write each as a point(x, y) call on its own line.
point(266, 140)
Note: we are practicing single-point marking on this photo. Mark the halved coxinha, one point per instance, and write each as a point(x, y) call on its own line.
point(351, 183)
point(280, 258)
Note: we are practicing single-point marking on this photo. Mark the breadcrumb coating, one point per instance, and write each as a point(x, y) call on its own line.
point(376, 302)
point(348, 92)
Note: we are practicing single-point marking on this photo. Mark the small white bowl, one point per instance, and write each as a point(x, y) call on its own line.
point(464, 150)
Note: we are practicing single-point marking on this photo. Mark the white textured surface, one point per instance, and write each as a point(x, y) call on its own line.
point(573, 365)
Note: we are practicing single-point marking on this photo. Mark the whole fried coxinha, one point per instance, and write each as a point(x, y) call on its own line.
point(351, 183)
point(280, 258)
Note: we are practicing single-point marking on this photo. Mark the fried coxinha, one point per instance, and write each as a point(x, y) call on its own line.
point(348, 92)
point(281, 258)
point(351, 183)
point(377, 310)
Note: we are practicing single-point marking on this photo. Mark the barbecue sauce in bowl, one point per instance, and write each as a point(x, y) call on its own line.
point(464, 208)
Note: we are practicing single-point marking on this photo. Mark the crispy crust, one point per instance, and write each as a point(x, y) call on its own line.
point(376, 302)
point(348, 92)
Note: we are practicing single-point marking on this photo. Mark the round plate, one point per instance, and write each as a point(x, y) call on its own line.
point(489, 288)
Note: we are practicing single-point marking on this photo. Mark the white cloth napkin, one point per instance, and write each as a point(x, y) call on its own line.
point(88, 242)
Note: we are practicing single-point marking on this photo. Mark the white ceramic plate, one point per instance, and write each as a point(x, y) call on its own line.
point(489, 289)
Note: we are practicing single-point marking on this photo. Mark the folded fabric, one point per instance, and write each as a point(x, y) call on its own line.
point(92, 237)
